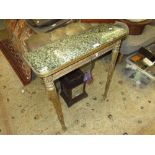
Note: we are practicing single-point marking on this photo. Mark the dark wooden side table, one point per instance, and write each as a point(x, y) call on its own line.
point(63, 56)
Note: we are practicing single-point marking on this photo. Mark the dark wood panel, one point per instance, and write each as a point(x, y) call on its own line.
point(136, 28)
point(16, 61)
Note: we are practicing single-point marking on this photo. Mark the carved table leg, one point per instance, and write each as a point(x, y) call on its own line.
point(54, 97)
point(115, 53)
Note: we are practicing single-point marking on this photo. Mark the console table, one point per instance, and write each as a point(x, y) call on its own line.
point(52, 61)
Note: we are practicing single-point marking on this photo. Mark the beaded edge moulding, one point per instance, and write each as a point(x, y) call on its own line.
point(51, 56)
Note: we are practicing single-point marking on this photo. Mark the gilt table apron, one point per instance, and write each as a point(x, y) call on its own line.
point(54, 60)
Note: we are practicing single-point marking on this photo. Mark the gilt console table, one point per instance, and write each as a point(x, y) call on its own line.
point(52, 61)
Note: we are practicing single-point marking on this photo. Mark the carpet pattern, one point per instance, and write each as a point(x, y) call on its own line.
point(127, 110)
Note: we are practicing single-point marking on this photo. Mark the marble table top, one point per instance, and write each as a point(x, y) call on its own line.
point(54, 55)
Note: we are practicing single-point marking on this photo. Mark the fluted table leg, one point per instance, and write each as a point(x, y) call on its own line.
point(54, 97)
point(115, 53)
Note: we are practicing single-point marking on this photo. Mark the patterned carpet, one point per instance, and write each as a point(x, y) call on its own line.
point(27, 110)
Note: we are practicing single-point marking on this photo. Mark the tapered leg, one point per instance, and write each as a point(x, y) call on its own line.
point(120, 58)
point(54, 97)
point(115, 53)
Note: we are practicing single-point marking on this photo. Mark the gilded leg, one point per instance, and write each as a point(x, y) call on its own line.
point(115, 53)
point(120, 58)
point(54, 97)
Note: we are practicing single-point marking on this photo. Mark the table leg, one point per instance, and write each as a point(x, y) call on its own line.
point(120, 58)
point(115, 53)
point(54, 97)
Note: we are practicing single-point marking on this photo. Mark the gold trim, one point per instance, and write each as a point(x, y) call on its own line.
point(76, 60)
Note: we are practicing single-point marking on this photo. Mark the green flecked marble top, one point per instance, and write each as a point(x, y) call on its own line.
point(52, 56)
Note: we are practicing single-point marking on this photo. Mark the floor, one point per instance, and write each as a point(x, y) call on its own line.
point(129, 109)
